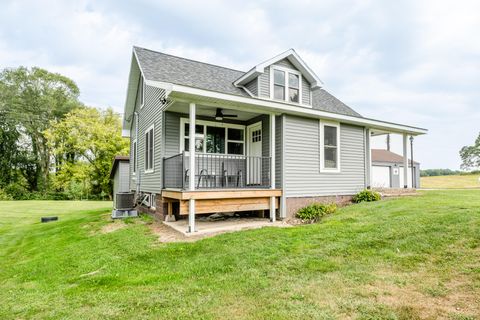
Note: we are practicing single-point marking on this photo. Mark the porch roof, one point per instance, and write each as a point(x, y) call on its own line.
point(266, 106)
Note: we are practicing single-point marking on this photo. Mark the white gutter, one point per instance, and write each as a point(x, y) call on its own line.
point(279, 107)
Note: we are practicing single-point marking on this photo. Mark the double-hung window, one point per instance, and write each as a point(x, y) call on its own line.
point(286, 84)
point(213, 137)
point(329, 147)
point(149, 149)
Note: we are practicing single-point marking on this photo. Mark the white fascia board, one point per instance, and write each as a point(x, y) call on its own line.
point(129, 107)
point(278, 108)
point(248, 76)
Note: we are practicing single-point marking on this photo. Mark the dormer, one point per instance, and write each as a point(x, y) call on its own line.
point(284, 78)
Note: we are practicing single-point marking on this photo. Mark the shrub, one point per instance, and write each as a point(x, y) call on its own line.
point(4, 195)
point(315, 211)
point(366, 195)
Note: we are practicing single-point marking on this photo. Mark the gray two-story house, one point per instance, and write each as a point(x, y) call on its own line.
point(206, 138)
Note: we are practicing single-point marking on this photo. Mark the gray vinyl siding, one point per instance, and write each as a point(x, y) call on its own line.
point(172, 133)
point(252, 86)
point(302, 160)
point(264, 84)
point(286, 64)
point(150, 114)
point(305, 91)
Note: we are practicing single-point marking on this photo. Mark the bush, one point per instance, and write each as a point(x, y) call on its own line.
point(4, 195)
point(366, 195)
point(316, 211)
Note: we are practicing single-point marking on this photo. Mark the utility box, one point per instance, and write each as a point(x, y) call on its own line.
point(123, 199)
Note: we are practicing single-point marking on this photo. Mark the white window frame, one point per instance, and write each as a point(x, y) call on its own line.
point(142, 88)
point(324, 123)
point(227, 126)
point(134, 156)
point(151, 170)
point(286, 71)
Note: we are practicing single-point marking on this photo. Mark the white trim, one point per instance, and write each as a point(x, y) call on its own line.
point(283, 198)
point(152, 127)
point(192, 122)
point(260, 105)
point(248, 137)
point(247, 91)
point(272, 151)
point(322, 146)
point(142, 101)
point(286, 86)
point(296, 61)
point(206, 123)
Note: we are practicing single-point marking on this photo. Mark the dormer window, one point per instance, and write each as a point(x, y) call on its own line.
point(286, 84)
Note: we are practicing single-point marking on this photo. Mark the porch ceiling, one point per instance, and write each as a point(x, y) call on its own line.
point(209, 111)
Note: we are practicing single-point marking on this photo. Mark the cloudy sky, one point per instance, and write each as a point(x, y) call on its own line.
point(412, 62)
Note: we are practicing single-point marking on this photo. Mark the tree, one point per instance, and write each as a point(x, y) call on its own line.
point(470, 155)
point(89, 138)
point(10, 153)
point(29, 100)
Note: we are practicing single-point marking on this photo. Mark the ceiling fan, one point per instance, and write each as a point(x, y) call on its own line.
point(219, 115)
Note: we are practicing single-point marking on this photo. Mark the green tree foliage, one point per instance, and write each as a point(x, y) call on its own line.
point(438, 172)
point(84, 144)
point(29, 100)
point(470, 155)
point(10, 154)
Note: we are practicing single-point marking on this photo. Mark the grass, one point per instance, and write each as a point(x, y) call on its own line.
point(405, 258)
point(451, 182)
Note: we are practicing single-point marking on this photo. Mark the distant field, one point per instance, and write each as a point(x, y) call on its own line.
point(451, 182)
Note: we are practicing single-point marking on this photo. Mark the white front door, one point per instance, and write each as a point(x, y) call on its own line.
point(254, 154)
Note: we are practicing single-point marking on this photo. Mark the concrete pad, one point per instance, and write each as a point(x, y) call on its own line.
point(228, 225)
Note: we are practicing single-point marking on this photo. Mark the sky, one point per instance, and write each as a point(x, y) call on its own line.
point(410, 62)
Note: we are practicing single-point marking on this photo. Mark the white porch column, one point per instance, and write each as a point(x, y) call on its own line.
point(368, 159)
point(191, 181)
point(272, 166)
point(405, 160)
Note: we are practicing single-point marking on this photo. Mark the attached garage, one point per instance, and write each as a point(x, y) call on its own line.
point(387, 170)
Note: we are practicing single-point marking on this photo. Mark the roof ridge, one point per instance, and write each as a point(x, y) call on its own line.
point(192, 60)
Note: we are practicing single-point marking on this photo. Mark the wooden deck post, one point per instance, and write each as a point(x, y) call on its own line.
point(405, 161)
point(272, 167)
point(191, 181)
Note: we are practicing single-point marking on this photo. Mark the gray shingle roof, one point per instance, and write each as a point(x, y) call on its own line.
point(382, 155)
point(159, 66)
point(322, 100)
point(164, 67)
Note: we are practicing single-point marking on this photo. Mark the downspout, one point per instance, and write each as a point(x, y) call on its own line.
point(137, 189)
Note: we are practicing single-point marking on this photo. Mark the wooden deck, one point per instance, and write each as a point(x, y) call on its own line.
point(222, 200)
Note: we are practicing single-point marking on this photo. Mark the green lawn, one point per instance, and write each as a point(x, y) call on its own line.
point(451, 182)
point(408, 258)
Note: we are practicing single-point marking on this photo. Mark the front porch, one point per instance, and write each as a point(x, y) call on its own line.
point(225, 162)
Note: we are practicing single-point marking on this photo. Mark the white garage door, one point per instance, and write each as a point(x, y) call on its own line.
point(380, 177)
point(409, 181)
